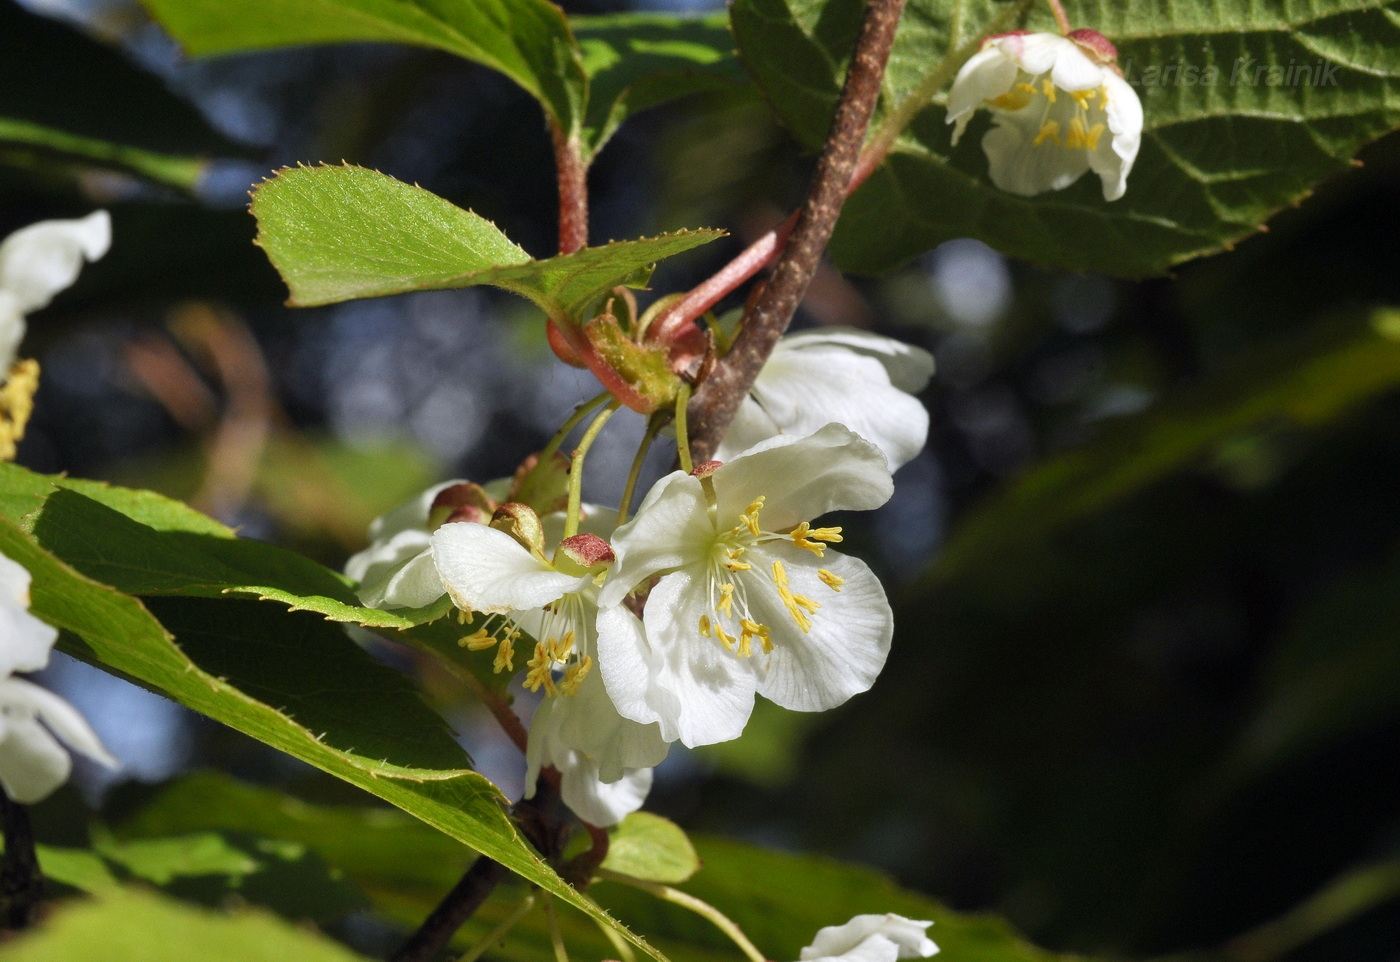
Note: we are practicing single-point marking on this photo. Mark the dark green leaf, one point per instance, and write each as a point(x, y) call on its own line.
point(636, 61)
point(1221, 152)
point(338, 233)
point(295, 682)
point(527, 40)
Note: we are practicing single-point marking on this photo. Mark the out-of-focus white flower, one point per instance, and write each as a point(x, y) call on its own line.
point(602, 796)
point(1059, 107)
point(603, 758)
point(38, 261)
point(32, 762)
point(749, 598)
point(871, 938)
point(396, 570)
point(840, 374)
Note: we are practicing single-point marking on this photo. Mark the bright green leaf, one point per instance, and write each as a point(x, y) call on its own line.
point(1306, 384)
point(183, 173)
point(295, 682)
point(652, 848)
point(527, 40)
point(135, 926)
point(144, 544)
point(1221, 153)
point(338, 233)
point(636, 61)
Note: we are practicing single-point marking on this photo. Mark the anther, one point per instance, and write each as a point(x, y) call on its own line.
point(1050, 130)
point(505, 657)
point(831, 580)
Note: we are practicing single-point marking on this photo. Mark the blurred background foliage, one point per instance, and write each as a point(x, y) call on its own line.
point(1145, 692)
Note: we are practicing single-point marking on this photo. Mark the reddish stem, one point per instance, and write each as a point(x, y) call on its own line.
point(573, 190)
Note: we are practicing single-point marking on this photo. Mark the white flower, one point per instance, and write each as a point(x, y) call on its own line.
point(596, 795)
point(840, 374)
point(1059, 107)
point(601, 756)
point(871, 938)
point(32, 762)
point(396, 570)
point(749, 598)
point(38, 261)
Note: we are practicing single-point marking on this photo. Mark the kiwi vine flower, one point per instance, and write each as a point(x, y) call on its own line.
point(750, 598)
point(1059, 107)
point(506, 577)
point(35, 724)
point(871, 938)
point(840, 374)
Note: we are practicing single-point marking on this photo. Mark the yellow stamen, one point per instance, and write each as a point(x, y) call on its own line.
point(1012, 100)
point(505, 657)
point(478, 640)
point(575, 675)
point(17, 387)
point(562, 646)
point(749, 630)
point(751, 515)
point(1050, 130)
point(1082, 97)
point(704, 626)
point(1091, 137)
point(832, 581)
point(725, 637)
point(733, 563)
point(1049, 89)
point(541, 666)
point(806, 536)
point(1103, 97)
point(1075, 138)
point(798, 606)
point(463, 616)
point(726, 599)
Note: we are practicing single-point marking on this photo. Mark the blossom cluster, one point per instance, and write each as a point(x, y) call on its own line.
point(722, 587)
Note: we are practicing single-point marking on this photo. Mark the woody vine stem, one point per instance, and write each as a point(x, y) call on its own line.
point(717, 398)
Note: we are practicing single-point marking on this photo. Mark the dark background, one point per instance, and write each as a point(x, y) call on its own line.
point(1145, 730)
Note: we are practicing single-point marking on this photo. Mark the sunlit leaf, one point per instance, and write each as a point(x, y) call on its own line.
point(647, 846)
point(338, 233)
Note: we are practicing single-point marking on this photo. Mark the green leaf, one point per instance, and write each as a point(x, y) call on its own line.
point(295, 682)
point(182, 173)
point(1339, 366)
point(135, 926)
point(1220, 155)
point(652, 848)
point(144, 544)
point(636, 61)
point(527, 40)
point(338, 233)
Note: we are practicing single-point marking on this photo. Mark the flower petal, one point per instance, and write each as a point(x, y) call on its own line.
point(849, 639)
point(489, 571)
point(589, 723)
point(903, 938)
point(803, 478)
point(32, 763)
point(38, 261)
point(61, 718)
point(751, 425)
point(627, 664)
point(413, 513)
point(988, 74)
point(803, 390)
point(1017, 166)
point(598, 802)
point(671, 528)
point(708, 691)
point(1113, 160)
point(25, 641)
point(397, 573)
point(909, 367)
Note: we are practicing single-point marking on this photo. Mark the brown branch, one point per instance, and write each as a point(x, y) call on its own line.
point(21, 882)
point(769, 313)
point(453, 911)
point(573, 190)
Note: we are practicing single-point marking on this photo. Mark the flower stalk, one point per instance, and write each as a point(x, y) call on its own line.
point(700, 907)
